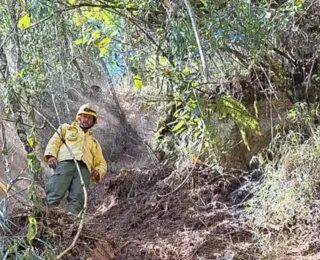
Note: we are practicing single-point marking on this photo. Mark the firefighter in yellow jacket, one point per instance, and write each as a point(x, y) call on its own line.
point(86, 150)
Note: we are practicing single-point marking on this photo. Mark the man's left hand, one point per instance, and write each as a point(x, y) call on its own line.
point(95, 175)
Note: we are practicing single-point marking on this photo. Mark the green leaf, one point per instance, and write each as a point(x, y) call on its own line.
point(228, 106)
point(182, 129)
point(102, 52)
point(196, 134)
point(204, 2)
point(32, 232)
point(24, 22)
point(96, 34)
point(137, 81)
point(299, 3)
point(244, 138)
point(104, 43)
point(186, 71)
point(178, 126)
point(130, 5)
point(163, 61)
point(177, 112)
point(26, 255)
point(72, 2)
point(80, 41)
point(30, 140)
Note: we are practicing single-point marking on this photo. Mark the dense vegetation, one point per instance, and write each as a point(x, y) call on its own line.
point(205, 64)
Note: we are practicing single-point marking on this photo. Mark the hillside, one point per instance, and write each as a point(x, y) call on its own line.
point(208, 117)
point(144, 209)
point(139, 211)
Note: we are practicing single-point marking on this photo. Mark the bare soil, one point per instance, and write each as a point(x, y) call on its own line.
point(198, 221)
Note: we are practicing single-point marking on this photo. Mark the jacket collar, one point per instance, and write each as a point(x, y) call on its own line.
point(75, 124)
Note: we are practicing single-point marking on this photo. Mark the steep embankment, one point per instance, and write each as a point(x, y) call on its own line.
point(143, 210)
point(137, 212)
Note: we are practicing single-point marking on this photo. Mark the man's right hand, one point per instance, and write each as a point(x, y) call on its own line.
point(52, 162)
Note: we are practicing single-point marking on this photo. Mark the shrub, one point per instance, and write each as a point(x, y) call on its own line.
point(284, 212)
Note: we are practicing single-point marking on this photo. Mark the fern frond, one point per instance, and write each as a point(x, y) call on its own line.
point(228, 106)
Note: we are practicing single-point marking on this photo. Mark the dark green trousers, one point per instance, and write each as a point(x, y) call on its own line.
point(66, 178)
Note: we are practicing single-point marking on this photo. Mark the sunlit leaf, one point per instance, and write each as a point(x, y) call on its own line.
point(299, 3)
point(80, 41)
point(104, 43)
point(186, 71)
point(72, 2)
point(96, 34)
point(163, 61)
point(195, 159)
point(78, 20)
point(24, 22)
point(178, 126)
point(177, 112)
point(229, 106)
point(32, 231)
point(3, 186)
point(102, 52)
point(196, 134)
point(244, 138)
point(30, 140)
point(204, 2)
point(129, 5)
point(137, 81)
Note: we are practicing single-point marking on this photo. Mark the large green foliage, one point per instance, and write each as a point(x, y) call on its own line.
point(159, 45)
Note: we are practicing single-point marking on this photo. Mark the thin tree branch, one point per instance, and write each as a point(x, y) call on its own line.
point(196, 33)
point(41, 21)
point(285, 55)
point(55, 108)
point(15, 121)
point(61, 64)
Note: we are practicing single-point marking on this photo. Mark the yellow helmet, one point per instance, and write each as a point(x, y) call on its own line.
point(88, 110)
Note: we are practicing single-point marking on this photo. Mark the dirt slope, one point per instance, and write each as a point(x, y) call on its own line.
point(138, 211)
point(195, 222)
point(144, 214)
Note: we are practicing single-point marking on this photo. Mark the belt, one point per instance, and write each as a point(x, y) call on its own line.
point(79, 162)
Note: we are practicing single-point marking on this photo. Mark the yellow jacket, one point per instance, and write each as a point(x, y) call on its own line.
point(83, 146)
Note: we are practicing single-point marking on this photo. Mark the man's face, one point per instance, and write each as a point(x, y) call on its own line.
point(86, 121)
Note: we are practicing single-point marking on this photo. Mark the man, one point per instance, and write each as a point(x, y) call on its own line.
point(85, 149)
